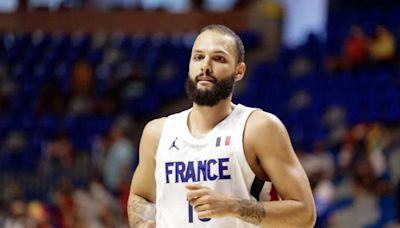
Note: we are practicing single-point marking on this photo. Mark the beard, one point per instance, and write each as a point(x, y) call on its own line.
point(221, 90)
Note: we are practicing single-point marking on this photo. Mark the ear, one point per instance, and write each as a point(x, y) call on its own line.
point(240, 70)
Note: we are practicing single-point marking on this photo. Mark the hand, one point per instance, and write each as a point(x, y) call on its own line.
point(209, 203)
point(148, 224)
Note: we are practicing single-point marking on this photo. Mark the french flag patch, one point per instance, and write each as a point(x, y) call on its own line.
point(223, 141)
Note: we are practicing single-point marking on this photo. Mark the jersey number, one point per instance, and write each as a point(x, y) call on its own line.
point(190, 208)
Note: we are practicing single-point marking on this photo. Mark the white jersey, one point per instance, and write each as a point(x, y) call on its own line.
point(216, 161)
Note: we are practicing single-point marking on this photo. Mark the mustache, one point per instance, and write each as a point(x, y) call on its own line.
point(206, 74)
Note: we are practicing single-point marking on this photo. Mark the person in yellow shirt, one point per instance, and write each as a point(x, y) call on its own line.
point(382, 47)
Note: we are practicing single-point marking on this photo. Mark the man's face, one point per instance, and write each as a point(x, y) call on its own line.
point(212, 68)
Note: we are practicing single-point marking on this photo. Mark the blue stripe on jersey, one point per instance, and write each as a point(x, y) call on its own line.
point(218, 143)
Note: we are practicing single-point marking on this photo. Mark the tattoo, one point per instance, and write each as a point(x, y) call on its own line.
point(140, 211)
point(251, 211)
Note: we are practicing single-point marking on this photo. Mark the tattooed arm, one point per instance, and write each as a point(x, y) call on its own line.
point(268, 151)
point(141, 208)
point(270, 154)
point(141, 213)
point(211, 204)
point(251, 211)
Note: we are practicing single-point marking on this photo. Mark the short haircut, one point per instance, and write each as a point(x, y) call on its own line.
point(227, 31)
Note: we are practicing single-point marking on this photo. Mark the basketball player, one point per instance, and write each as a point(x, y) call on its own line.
point(218, 163)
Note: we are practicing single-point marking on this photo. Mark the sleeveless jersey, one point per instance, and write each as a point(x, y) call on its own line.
point(216, 161)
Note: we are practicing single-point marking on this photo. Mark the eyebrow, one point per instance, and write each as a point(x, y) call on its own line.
point(214, 52)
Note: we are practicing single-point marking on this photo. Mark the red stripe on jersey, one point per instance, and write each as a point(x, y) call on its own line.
point(274, 194)
point(227, 140)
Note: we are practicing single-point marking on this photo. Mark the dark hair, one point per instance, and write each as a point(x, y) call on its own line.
point(227, 31)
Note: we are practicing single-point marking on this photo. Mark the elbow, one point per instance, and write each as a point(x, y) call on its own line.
point(301, 214)
point(310, 215)
point(311, 221)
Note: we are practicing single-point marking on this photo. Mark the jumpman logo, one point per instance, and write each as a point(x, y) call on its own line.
point(173, 144)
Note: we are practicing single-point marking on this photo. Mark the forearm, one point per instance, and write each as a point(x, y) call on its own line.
point(287, 213)
point(140, 211)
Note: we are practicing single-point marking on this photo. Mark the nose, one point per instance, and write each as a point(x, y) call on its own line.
point(206, 66)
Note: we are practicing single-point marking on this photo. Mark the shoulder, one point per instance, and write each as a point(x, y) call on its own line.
point(155, 124)
point(261, 121)
point(150, 137)
point(265, 130)
point(154, 127)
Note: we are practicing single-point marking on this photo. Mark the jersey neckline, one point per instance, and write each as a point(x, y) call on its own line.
point(206, 139)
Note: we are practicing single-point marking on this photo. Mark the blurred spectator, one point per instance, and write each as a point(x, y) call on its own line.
point(355, 50)
point(382, 47)
point(375, 146)
point(358, 49)
point(82, 85)
point(357, 135)
point(364, 186)
point(18, 217)
point(97, 207)
point(319, 168)
point(119, 155)
point(58, 159)
point(346, 158)
point(324, 197)
point(109, 212)
point(39, 213)
point(65, 211)
point(87, 208)
point(134, 86)
point(82, 78)
point(318, 164)
point(364, 175)
point(363, 210)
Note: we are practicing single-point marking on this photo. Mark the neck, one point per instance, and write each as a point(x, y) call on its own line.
point(203, 119)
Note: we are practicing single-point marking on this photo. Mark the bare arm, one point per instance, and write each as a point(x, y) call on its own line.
point(268, 138)
point(141, 213)
point(141, 208)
